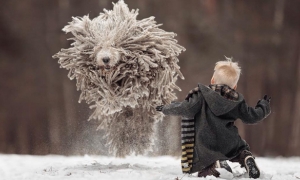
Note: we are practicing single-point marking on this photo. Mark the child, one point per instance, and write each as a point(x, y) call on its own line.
point(208, 131)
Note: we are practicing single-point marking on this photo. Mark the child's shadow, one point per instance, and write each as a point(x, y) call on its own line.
point(109, 167)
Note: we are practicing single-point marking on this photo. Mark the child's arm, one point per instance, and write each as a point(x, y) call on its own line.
point(187, 108)
point(251, 115)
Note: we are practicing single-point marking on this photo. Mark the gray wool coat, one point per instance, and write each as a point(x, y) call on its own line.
point(216, 136)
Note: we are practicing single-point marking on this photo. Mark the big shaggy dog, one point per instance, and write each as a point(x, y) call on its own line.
point(125, 67)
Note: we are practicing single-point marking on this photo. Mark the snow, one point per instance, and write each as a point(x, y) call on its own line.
point(54, 167)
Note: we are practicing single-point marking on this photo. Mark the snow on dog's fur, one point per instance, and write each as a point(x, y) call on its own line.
point(125, 67)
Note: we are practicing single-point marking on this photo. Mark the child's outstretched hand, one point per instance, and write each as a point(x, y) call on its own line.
point(159, 108)
point(267, 98)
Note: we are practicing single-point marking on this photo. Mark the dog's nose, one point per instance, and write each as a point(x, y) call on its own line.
point(106, 60)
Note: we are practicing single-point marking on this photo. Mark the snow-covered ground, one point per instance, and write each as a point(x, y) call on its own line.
point(21, 167)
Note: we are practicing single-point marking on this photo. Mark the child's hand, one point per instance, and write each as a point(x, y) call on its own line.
point(159, 108)
point(267, 98)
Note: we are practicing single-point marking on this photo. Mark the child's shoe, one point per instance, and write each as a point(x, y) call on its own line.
point(209, 171)
point(251, 167)
point(247, 160)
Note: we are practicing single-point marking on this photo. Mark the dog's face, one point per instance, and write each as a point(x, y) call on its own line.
point(107, 57)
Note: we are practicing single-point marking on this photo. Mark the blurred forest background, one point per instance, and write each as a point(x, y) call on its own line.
point(39, 109)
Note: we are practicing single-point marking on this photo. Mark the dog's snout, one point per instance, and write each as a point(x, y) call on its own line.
point(106, 60)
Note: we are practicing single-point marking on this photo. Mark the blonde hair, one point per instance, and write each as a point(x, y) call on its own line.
point(227, 72)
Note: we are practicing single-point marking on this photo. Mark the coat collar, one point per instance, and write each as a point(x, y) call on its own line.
point(217, 103)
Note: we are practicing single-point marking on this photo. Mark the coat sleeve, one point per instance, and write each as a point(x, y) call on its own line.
point(251, 115)
point(187, 108)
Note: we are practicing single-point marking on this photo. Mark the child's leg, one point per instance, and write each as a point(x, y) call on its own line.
point(246, 160)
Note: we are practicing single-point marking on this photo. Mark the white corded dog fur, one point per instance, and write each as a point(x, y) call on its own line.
point(125, 67)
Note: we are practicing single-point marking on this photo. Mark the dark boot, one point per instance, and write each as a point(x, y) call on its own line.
point(251, 167)
point(247, 160)
point(209, 171)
